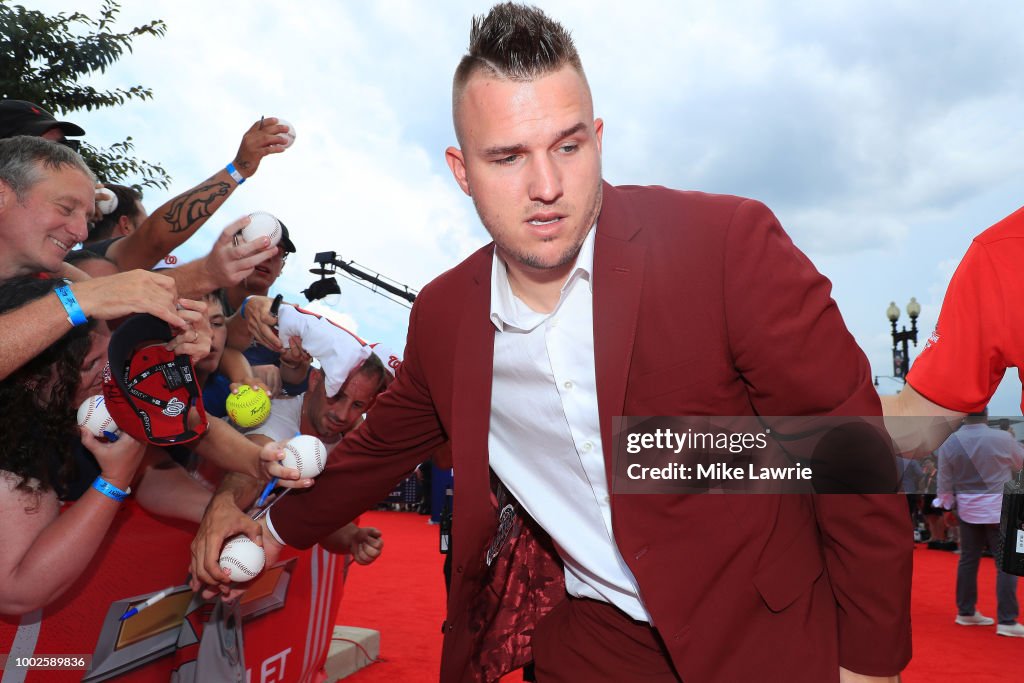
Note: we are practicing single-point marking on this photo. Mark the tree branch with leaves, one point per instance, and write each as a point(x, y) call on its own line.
point(46, 59)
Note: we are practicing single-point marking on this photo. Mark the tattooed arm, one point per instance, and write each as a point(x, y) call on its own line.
point(174, 222)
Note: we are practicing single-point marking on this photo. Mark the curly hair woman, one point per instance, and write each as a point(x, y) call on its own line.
point(45, 549)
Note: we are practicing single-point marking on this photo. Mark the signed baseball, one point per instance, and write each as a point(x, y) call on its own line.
point(242, 558)
point(93, 415)
point(249, 407)
point(289, 134)
point(307, 454)
point(262, 224)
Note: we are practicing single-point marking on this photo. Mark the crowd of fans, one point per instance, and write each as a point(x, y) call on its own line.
point(60, 486)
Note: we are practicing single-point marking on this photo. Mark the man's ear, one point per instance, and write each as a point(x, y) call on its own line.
point(315, 379)
point(7, 196)
point(125, 226)
point(457, 163)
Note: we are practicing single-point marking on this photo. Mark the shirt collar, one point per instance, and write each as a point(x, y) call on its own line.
point(508, 312)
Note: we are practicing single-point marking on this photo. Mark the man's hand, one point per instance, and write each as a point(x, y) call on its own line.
point(137, 291)
point(229, 591)
point(228, 263)
point(270, 462)
point(261, 322)
point(253, 383)
point(847, 676)
point(196, 338)
point(221, 520)
point(366, 545)
point(267, 377)
point(263, 137)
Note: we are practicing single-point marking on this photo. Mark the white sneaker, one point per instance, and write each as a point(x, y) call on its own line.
point(976, 619)
point(1013, 630)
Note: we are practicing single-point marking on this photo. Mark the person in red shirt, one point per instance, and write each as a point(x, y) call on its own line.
point(980, 334)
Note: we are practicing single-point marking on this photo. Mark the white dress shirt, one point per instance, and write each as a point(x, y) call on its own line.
point(974, 463)
point(545, 437)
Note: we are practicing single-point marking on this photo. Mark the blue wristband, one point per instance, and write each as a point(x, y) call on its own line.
point(76, 316)
point(233, 172)
point(241, 311)
point(109, 490)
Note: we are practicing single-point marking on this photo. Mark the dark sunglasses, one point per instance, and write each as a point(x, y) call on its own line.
point(71, 144)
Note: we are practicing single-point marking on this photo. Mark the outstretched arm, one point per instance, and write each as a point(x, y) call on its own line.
point(917, 426)
point(26, 331)
point(170, 225)
point(44, 550)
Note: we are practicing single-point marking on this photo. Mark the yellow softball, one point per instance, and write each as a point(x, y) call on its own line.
point(249, 407)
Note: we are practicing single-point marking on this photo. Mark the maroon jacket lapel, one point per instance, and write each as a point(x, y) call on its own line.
point(471, 406)
point(618, 280)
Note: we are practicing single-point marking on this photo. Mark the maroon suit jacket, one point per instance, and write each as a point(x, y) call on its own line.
point(702, 306)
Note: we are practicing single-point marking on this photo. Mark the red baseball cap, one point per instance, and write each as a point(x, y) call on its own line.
point(149, 390)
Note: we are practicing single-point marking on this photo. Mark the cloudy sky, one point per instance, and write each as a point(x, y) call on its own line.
point(883, 135)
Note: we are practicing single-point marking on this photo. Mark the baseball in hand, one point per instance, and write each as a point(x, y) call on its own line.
point(288, 134)
point(93, 415)
point(262, 224)
point(242, 558)
point(307, 454)
point(249, 407)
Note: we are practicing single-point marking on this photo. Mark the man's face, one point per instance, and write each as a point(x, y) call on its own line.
point(531, 161)
point(37, 233)
point(218, 324)
point(266, 273)
point(333, 417)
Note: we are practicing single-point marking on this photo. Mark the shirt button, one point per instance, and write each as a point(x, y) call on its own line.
point(553, 322)
point(607, 499)
point(568, 385)
point(587, 446)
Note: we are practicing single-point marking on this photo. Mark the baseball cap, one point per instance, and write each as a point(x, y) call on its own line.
point(391, 360)
point(18, 117)
point(286, 244)
point(149, 390)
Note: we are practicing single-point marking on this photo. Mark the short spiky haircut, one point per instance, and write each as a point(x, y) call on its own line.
point(516, 43)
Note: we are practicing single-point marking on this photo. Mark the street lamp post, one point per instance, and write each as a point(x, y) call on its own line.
point(900, 338)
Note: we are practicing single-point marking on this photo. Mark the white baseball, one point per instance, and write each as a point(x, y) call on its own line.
point(93, 415)
point(288, 134)
point(242, 558)
point(262, 224)
point(106, 201)
point(307, 454)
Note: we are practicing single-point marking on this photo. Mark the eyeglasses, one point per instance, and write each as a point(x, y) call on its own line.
point(71, 144)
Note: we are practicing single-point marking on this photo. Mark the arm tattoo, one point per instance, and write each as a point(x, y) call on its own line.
point(194, 206)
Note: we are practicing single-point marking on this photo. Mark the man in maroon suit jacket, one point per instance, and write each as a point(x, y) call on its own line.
point(701, 305)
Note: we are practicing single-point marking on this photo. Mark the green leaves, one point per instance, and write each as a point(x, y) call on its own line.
point(45, 59)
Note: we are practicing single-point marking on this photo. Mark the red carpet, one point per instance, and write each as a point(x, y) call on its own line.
point(402, 596)
point(944, 651)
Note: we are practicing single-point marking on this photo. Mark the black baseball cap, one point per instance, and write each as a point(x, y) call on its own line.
point(286, 244)
point(18, 117)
